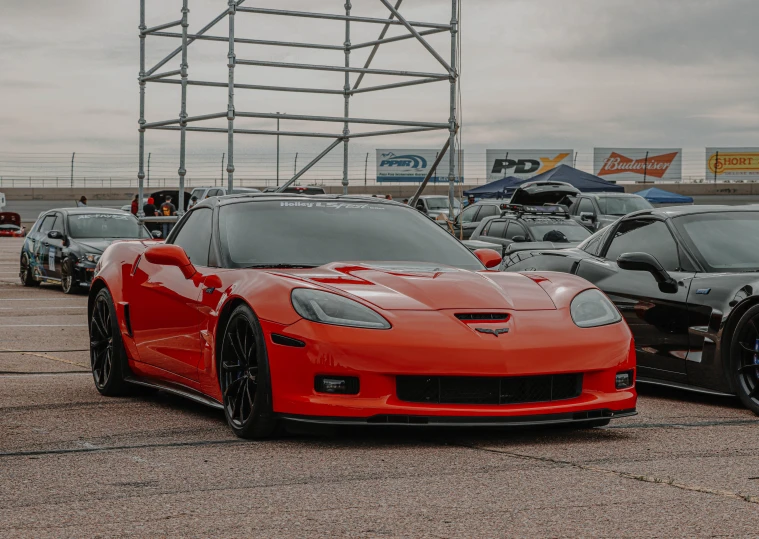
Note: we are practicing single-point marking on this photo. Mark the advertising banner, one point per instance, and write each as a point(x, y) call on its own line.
point(413, 165)
point(635, 164)
point(732, 164)
point(524, 163)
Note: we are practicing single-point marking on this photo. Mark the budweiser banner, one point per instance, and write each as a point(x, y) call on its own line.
point(732, 163)
point(635, 164)
point(413, 165)
point(524, 163)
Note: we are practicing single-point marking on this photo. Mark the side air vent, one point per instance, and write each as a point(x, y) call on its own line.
point(276, 338)
point(482, 317)
point(128, 320)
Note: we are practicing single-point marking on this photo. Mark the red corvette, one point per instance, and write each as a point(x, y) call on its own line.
point(10, 225)
point(343, 310)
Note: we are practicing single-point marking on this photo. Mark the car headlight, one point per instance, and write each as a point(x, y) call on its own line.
point(335, 310)
point(592, 308)
point(90, 257)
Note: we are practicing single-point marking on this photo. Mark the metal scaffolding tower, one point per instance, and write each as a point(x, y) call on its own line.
point(416, 31)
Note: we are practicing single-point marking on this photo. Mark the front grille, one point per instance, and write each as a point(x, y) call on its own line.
point(488, 390)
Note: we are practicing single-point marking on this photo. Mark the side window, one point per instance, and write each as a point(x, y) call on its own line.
point(594, 243)
point(487, 211)
point(467, 216)
point(58, 223)
point(496, 229)
point(47, 224)
point(645, 236)
point(213, 193)
point(586, 206)
point(195, 236)
point(515, 229)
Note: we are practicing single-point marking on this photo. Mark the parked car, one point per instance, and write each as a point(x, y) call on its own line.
point(598, 210)
point(531, 227)
point(466, 222)
point(339, 316)
point(205, 192)
point(436, 205)
point(65, 245)
point(10, 225)
point(686, 280)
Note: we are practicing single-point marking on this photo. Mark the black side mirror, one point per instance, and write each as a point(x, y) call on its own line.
point(519, 239)
point(587, 216)
point(56, 235)
point(647, 262)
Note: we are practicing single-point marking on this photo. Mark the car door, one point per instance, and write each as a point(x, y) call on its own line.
point(586, 206)
point(658, 320)
point(33, 240)
point(165, 307)
point(495, 232)
point(48, 250)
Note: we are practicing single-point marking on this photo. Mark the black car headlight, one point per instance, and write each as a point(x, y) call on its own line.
point(327, 308)
point(592, 308)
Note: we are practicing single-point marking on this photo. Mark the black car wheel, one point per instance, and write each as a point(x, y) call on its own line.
point(69, 284)
point(744, 359)
point(244, 377)
point(107, 354)
point(26, 272)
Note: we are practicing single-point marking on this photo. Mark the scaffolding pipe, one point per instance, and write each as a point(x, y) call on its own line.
point(308, 15)
point(183, 113)
point(313, 67)
point(260, 87)
point(141, 123)
point(231, 98)
point(305, 169)
point(452, 119)
point(347, 89)
point(337, 119)
point(377, 44)
point(258, 41)
point(430, 172)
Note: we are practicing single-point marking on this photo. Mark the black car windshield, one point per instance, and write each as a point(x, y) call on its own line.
point(622, 205)
point(441, 203)
point(306, 232)
point(723, 241)
point(558, 232)
point(106, 225)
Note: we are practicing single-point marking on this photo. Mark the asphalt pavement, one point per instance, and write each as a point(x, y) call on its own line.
point(76, 464)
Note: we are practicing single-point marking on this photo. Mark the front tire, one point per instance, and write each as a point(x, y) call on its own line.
point(68, 283)
point(244, 377)
point(26, 274)
point(107, 355)
point(744, 359)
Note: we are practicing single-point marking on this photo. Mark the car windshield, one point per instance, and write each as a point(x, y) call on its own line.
point(723, 241)
point(558, 232)
point(313, 232)
point(441, 203)
point(106, 225)
point(197, 193)
point(622, 205)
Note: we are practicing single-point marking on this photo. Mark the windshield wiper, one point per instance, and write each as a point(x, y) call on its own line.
point(281, 266)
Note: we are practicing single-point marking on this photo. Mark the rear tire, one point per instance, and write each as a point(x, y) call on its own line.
point(244, 377)
point(68, 283)
point(26, 272)
point(108, 357)
point(743, 366)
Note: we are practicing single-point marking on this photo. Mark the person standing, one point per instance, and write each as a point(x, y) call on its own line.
point(193, 201)
point(82, 203)
point(167, 210)
point(149, 210)
point(135, 205)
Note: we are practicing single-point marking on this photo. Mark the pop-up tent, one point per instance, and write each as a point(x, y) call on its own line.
point(587, 183)
point(502, 188)
point(659, 196)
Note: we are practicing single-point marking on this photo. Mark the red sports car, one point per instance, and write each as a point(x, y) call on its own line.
point(10, 225)
point(344, 310)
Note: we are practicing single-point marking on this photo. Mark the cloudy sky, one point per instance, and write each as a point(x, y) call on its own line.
point(536, 73)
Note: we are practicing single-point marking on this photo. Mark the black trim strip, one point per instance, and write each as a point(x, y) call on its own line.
point(180, 391)
point(276, 338)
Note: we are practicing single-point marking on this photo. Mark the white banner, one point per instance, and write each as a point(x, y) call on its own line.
point(524, 163)
point(732, 164)
point(635, 164)
point(413, 165)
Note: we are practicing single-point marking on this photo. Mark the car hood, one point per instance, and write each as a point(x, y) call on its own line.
point(424, 287)
point(93, 245)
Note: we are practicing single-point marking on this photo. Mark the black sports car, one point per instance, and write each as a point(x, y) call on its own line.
point(687, 281)
point(64, 245)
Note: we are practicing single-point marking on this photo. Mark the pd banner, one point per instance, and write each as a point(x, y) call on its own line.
point(732, 163)
point(524, 163)
point(635, 164)
point(413, 165)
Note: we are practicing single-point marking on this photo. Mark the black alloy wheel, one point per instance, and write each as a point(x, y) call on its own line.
point(244, 377)
point(744, 355)
point(68, 283)
point(107, 354)
point(26, 273)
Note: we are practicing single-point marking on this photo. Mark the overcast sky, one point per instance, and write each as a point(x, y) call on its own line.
point(535, 73)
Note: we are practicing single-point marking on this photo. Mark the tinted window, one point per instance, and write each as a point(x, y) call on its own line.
point(314, 232)
point(622, 205)
point(47, 224)
point(586, 206)
point(195, 236)
point(213, 193)
point(106, 226)
point(497, 229)
point(723, 241)
point(515, 229)
point(560, 231)
point(487, 211)
point(468, 214)
point(645, 236)
point(593, 244)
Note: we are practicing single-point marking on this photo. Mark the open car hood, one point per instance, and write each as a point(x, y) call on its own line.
point(425, 287)
point(540, 195)
point(9, 218)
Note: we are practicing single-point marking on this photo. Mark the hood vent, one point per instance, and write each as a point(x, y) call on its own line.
point(482, 317)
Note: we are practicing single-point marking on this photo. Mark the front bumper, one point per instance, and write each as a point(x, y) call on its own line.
point(84, 272)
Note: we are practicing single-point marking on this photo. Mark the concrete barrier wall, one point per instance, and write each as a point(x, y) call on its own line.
point(397, 191)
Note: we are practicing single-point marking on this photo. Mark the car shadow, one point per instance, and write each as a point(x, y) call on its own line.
point(683, 395)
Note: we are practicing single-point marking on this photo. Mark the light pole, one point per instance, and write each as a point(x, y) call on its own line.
point(72, 169)
point(222, 168)
point(149, 154)
point(277, 149)
point(295, 166)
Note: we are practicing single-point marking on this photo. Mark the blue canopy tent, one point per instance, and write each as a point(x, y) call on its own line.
point(497, 189)
point(659, 196)
point(585, 182)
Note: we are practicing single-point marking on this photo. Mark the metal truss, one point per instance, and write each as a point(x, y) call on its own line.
point(415, 31)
